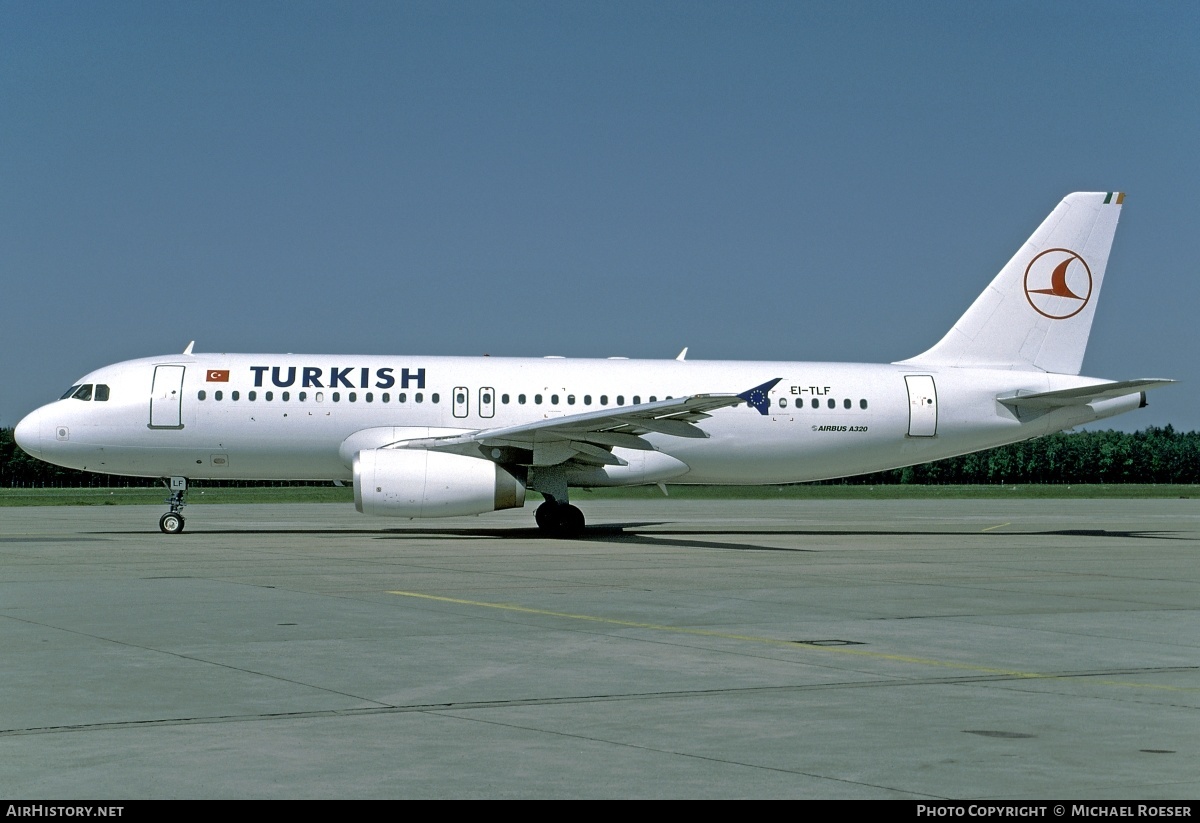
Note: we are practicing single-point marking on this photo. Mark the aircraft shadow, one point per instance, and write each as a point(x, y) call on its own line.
point(639, 533)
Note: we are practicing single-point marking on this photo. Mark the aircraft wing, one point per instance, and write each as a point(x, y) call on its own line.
point(589, 437)
point(1082, 394)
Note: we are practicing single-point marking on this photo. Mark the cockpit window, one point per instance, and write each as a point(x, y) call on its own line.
point(101, 392)
point(70, 392)
point(84, 392)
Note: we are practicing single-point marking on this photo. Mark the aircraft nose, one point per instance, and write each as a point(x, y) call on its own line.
point(28, 433)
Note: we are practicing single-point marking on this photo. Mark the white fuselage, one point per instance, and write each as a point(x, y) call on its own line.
point(302, 417)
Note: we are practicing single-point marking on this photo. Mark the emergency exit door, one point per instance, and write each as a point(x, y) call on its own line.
point(461, 401)
point(487, 402)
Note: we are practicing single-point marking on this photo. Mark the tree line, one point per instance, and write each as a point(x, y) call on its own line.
point(1154, 455)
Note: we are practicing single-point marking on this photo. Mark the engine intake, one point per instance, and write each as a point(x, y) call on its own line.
point(421, 483)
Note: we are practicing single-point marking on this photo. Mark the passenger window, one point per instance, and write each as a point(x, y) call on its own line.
point(235, 395)
point(487, 398)
point(101, 392)
point(352, 397)
point(587, 400)
point(286, 396)
point(435, 398)
point(653, 399)
point(386, 398)
point(862, 404)
point(218, 395)
point(319, 397)
point(302, 396)
point(537, 398)
point(832, 403)
point(816, 404)
point(402, 397)
point(269, 396)
point(637, 399)
point(460, 397)
point(570, 400)
point(504, 399)
point(620, 400)
point(846, 403)
point(554, 400)
point(370, 398)
point(252, 396)
point(521, 399)
point(604, 400)
point(418, 397)
point(337, 396)
point(201, 395)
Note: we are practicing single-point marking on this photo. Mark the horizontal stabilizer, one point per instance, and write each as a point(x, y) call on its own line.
point(1082, 394)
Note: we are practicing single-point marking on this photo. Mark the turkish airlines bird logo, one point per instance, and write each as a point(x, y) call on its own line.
point(1058, 283)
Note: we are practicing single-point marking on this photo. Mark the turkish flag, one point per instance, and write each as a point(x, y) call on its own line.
point(218, 375)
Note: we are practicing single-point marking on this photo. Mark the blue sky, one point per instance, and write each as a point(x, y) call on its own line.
point(799, 181)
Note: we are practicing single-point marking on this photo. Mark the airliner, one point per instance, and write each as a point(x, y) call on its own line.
point(426, 437)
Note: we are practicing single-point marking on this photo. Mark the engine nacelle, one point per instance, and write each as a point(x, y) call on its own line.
point(420, 483)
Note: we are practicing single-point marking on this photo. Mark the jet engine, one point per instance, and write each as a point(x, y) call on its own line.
point(421, 483)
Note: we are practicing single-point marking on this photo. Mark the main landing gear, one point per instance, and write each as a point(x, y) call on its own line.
point(556, 517)
point(172, 522)
point(559, 519)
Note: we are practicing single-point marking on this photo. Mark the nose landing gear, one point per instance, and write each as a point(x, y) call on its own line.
point(172, 522)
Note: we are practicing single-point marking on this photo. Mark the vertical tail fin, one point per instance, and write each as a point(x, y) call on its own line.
point(1037, 312)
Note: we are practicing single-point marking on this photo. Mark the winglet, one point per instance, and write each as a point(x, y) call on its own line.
point(188, 350)
point(758, 397)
